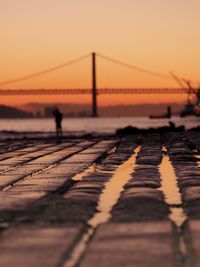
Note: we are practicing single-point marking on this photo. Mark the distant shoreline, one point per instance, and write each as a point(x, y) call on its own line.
point(126, 131)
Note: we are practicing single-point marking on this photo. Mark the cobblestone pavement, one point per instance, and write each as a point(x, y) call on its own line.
point(103, 201)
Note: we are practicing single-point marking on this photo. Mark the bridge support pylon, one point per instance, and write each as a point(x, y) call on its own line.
point(94, 88)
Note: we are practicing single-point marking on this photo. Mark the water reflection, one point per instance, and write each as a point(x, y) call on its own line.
point(108, 199)
point(87, 171)
point(113, 189)
point(171, 191)
point(198, 157)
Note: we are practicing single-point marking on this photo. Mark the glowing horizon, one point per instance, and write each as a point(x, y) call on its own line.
point(155, 35)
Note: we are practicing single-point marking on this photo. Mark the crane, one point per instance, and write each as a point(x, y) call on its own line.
point(196, 92)
point(178, 80)
point(190, 108)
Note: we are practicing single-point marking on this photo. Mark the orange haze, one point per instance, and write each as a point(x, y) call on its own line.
point(158, 35)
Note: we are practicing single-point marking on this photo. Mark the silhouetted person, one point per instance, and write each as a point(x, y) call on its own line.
point(169, 112)
point(58, 120)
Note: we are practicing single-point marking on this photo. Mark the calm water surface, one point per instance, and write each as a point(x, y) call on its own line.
point(88, 125)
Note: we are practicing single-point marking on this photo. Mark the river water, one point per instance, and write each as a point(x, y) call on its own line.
point(91, 125)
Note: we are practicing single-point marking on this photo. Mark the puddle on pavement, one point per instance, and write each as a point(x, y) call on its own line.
point(112, 150)
point(87, 171)
point(113, 189)
point(171, 192)
point(108, 198)
point(172, 196)
point(92, 168)
point(198, 157)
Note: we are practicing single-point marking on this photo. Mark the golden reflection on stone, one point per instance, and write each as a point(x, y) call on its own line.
point(198, 157)
point(108, 199)
point(113, 189)
point(171, 191)
point(81, 175)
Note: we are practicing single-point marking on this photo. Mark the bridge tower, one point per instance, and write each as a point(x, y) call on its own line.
point(94, 88)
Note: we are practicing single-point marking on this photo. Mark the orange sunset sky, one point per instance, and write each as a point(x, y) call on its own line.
point(157, 35)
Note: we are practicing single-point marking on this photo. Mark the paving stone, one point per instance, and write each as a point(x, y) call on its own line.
point(191, 193)
point(139, 233)
point(82, 196)
point(98, 177)
point(142, 192)
point(143, 183)
point(84, 185)
point(20, 152)
point(83, 158)
point(194, 229)
point(36, 187)
point(140, 204)
point(149, 159)
point(188, 182)
point(37, 246)
point(23, 158)
point(135, 244)
point(16, 174)
point(193, 171)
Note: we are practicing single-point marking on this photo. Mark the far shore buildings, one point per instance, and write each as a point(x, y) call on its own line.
point(71, 114)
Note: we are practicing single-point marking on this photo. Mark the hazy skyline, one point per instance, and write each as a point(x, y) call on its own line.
point(159, 35)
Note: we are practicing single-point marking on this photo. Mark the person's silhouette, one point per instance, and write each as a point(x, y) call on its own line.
point(58, 120)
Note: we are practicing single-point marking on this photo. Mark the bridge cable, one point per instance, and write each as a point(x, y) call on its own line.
point(161, 75)
point(43, 72)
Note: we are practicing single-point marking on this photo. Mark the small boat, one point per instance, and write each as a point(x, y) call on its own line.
point(159, 117)
point(164, 116)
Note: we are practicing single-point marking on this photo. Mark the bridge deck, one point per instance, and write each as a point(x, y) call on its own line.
point(99, 91)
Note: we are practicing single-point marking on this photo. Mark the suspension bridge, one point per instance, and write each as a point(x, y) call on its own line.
point(93, 91)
